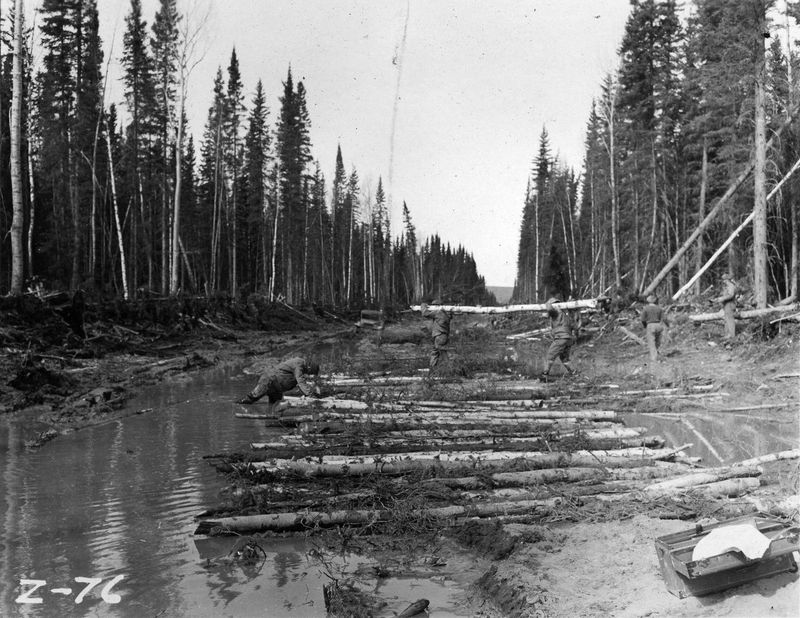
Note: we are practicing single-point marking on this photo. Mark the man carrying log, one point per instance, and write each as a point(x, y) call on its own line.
point(280, 378)
point(562, 330)
point(728, 300)
point(652, 318)
point(440, 331)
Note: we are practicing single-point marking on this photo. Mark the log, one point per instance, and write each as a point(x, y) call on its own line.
point(742, 315)
point(704, 477)
point(316, 426)
point(451, 415)
point(795, 317)
point(514, 404)
point(557, 475)
point(731, 488)
point(400, 462)
point(634, 336)
point(285, 522)
point(494, 427)
point(591, 303)
point(786, 507)
point(526, 335)
point(376, 444)
point(281, 522)
point(757, 461)
point(761, 406)
point(451, 435)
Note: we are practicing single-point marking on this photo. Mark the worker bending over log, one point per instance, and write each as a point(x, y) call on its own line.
point(562, 330)
point(280, 378)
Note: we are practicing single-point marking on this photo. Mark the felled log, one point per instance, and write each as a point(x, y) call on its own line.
point(757, 461)
point(497, 404)
point(762, 406)
point(527, 334)
point(591, 303)
point(401, 462)
point(279, 522)
point(630, 334)
point(750, 313)
point(558, 475)
point(372, 445)
point(322, 426)
point(730, 488)
point(788, 507)
point(444, 417)
point(704, 477)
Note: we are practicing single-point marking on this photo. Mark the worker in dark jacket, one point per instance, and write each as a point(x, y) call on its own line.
point(652, 318)
point(283, 377)
point(728, 300)
point(440, 331)
point(562, 330)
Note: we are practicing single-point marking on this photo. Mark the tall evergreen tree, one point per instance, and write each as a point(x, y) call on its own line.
point(257, 162)
point(164, 51)
point(140, 101)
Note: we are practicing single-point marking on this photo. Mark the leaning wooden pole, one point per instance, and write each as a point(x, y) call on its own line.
point(733, 235)
point(703, 225)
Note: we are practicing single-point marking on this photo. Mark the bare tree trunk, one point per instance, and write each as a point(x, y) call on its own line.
point(123, 268)
point(795, 253)
point(176, 206)
point(759, 172)
point(701, 212)
point(235, 231)
point(608, 110)
point(594, 243)
point(275, 236)
point(32, 207)
point(17, 258)
point(536, 240)
point(304, 287)
point(349, 254)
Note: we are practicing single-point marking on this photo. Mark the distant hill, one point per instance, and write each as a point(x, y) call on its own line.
point(501, 293)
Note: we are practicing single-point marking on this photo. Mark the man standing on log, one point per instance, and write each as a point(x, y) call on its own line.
point(562, 329)
point(283, 377)
point(440, 331)
point(652, 318)
point(728, 300)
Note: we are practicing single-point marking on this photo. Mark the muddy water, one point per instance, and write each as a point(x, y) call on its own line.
point(722, 438)
point(114, 504)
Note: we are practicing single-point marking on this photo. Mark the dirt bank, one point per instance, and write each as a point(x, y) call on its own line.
point(65, 371)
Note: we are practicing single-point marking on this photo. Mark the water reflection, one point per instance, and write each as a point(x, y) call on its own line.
point(119, 499)
point(722, 438)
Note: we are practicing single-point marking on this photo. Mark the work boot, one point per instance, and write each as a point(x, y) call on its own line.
point(246, 400)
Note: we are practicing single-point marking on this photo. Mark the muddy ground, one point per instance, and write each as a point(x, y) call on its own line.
point(583, 562)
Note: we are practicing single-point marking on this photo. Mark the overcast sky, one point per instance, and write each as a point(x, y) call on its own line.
point(478, 81)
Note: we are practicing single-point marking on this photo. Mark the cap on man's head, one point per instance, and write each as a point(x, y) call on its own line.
point(313, 368)
point(726, 275)
point(652, 298)
point(552, 299)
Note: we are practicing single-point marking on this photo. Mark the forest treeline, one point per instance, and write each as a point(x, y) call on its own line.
point(700, 114)
point(129, 204)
